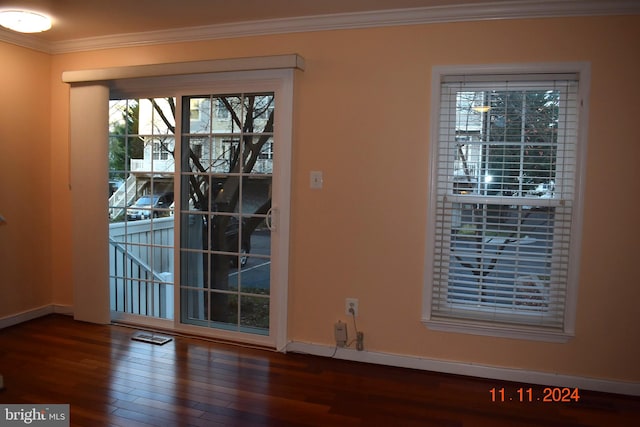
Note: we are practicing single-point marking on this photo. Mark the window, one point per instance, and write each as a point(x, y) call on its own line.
point(161, 149)
point(504, 204)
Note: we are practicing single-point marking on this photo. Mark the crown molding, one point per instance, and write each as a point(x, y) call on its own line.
point(24, 40)
point(517, 9)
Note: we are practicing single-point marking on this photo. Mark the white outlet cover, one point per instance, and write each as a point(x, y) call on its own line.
point(347, 306)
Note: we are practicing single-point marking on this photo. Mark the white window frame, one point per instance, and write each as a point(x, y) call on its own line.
point(500, 328)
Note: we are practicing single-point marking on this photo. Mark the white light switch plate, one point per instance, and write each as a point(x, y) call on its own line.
point(315, 180)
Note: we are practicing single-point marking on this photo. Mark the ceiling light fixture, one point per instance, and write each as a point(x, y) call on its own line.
point(24, 21)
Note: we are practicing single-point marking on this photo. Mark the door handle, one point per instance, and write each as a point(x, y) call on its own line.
point(269, 219)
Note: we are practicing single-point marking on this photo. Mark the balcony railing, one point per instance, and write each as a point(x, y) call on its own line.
point(141, 267)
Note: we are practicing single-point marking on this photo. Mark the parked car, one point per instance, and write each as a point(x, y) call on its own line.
point(150, 205)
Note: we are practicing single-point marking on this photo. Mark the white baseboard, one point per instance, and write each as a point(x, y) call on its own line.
point(27, 315)
point(469, 369)
point(63, 309)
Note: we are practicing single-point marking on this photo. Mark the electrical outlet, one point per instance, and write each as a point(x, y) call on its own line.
point(351, 304)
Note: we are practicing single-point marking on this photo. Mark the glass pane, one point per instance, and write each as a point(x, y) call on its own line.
point(259, 155)
point(254, 312)
point(117, 290)
point(117, 195)
point(225, 153)
point(117, 153)
point(195, 192)
point(198, 154)
point(234, 274)
point(256, 276)
point(192, 269)
point(256, 195)
point(261, 241)
point(225, 191)
point(506, 142)
point(264, 163)
point(149, 206)
point(259, 110)
point(199, 115)
point(162, 152)
point(227, 114)
point(224, 308)
point(194, 306)
point(194, 231)
point(162, 262)
point(156, 116)
point(135, 149)
point(503, 173)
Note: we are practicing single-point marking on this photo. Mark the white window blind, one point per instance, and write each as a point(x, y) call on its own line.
point(504, 198)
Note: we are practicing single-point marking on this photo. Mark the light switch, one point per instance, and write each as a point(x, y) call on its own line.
point(315, 180)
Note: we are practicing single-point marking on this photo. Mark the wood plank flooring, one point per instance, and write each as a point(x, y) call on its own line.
point(110, 380)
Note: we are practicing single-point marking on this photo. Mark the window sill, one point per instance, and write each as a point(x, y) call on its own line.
point(520, 332)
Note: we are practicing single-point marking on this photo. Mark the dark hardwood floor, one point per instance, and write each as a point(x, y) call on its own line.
point(109, 379)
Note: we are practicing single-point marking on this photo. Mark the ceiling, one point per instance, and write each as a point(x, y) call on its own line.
point(80, 19)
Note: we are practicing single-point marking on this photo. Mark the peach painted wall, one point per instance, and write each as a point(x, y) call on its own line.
point(25, 173)
point(362, 116)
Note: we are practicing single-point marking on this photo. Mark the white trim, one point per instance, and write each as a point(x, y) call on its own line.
point(141, 321)
point(274, 62)
point(63, 309)
point(469, 369)
point(517, 9)
point(515, 332)
point(25, 40)
point(34, 313)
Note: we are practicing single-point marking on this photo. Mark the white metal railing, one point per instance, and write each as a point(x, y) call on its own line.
point(141, 267)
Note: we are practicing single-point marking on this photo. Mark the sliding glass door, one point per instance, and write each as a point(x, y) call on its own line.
point(199, 209)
